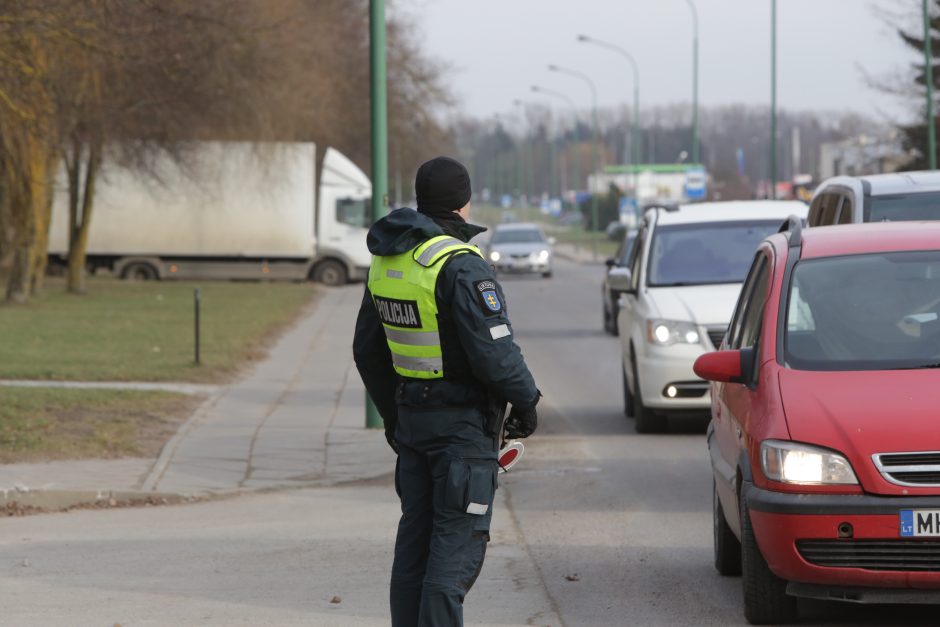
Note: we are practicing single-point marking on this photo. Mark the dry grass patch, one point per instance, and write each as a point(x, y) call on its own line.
point(46, 424)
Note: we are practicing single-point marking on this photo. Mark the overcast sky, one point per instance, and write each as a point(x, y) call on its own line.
point(498, 48)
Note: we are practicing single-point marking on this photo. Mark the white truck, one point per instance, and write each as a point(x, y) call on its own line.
point(238, 210)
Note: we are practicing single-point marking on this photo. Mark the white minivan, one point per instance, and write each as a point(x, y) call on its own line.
point(901, 196)
point(685, 274)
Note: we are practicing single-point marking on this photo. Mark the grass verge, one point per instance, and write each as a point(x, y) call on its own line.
point(45, 424)
point(143, 331)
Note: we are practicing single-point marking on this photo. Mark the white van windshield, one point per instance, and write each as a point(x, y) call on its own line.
point(705, 253)
point(904, 207)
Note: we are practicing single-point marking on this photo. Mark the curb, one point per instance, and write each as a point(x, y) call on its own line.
point(169, 449)
point(29, 501)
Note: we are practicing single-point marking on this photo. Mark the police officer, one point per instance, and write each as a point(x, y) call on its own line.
point(435, 349)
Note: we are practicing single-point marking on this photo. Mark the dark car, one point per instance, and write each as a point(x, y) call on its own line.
point(616, 280)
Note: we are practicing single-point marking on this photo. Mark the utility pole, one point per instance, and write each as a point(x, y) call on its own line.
point(594, 146)
point(695, 156)
point(928, 79)
point(379, 114)
point(773, 99)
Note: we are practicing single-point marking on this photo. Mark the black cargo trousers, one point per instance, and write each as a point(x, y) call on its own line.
point(446, 479)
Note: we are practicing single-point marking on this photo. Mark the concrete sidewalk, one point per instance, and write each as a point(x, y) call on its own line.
point(296, 420)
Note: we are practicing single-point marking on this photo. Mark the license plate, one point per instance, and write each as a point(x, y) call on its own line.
point(919, 523)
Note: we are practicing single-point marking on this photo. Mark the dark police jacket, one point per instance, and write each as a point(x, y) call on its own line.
point(477, 361)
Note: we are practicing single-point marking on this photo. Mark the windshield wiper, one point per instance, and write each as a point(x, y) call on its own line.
point(920, 367)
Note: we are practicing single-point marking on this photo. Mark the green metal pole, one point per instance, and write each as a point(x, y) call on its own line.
point(928, 69)
point(773, 99)
point(379, 110)
point(593, 195)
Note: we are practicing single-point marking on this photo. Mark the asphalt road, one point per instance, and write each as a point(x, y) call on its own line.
point(597, 525)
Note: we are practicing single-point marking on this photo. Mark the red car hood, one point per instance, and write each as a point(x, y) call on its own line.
point(861, 413)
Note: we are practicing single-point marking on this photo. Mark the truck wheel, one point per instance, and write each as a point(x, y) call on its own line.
point(727, 546)
point(766, 601)
point(330, 272)
point(139, 271)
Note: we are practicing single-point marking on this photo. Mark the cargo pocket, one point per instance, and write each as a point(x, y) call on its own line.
point(471, 484)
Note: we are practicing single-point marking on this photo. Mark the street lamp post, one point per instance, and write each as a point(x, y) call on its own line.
point(379, 123)
point(773, 99)
point(594, 147)
point(557, 94)
point(694, 81)
point(636, 101)
point(928, 79)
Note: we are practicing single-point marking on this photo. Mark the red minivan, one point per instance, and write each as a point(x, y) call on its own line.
point(825, 430)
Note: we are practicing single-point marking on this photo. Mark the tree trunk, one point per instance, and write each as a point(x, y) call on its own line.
point(78, 230)
point(41, 183)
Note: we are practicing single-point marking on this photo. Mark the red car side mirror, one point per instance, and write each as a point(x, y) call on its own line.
point(722, 366)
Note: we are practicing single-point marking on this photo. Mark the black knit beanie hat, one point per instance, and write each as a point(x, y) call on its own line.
point(442, 185)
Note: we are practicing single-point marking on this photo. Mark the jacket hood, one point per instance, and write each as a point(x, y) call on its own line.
point(403, 229)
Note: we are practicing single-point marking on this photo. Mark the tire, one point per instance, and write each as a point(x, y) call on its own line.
point(607, 318)
point(627, 396)
point(330, 272)
point(139, 271)
point(646, 420)
point(766, 600)
point(547, 275)
point(727, 546)
point(614, 310)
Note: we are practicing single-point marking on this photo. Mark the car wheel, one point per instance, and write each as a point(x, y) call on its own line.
point(614, 310)
point(330, 272)
point(765, 595)
point(607, 318)
point(646, 420)
point(547, 275)
point(627, 396)
point(727, 546)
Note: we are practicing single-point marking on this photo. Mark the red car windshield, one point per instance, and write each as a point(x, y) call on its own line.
point(865, 312)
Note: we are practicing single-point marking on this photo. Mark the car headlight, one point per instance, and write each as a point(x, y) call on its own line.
point(791, 462)
point(494, 256)
point(669, 332)
point(542, 255)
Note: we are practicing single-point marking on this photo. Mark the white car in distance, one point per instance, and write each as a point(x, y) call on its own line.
point(520, 247)
point(685, 275)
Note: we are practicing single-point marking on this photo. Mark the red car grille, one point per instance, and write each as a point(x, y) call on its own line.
point(914, 469)
point(897, 555)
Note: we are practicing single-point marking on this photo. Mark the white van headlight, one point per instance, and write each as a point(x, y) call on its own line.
point(668, 332)
point(792, 462)
point(494, 256)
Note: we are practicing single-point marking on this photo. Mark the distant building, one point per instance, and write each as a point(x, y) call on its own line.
point(679, 182)
point(863, 154)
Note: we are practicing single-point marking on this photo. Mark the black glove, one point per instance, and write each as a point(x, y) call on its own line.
point(521, 422)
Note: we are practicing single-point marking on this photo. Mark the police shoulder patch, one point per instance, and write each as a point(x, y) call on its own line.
point(489, 297)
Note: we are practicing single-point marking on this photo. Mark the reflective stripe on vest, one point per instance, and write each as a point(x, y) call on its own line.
point(403, 289)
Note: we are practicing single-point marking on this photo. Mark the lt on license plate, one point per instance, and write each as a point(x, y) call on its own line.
point(918, 523)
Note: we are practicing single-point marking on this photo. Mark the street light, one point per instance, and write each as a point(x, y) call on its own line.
point(379, 126)
point(587, 79)
point(636, 100)
point(574, 109)
point(773, 99)
point(694, 81)
point(528, 169)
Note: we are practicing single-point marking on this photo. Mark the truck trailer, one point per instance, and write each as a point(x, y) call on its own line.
point(237, 210)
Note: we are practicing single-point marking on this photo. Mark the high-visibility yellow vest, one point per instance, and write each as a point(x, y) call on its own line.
point(402, 288)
